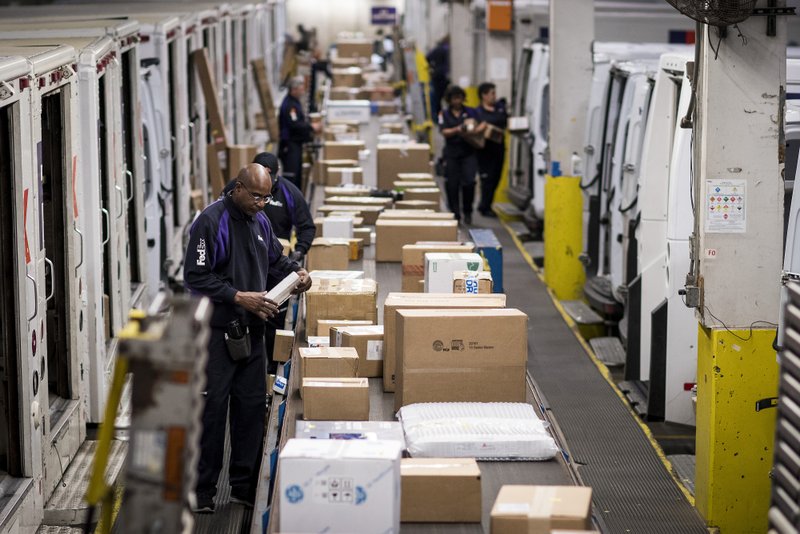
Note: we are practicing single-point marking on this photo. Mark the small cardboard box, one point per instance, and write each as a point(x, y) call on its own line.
point(396, 159)
point(461, 355)
point(329, 362)
point(472, 283)
point(415, 177)
point(319, 222)
point(354, 48)
point(384, 202)
point(324, 326)
point(284, 343)
point(347, 77)
point(344, 176)
point(328, 254)
point(392, 127)
point(387, 108)
point(440, 490)
point(341, 227)
point(391, 235)
point(541, 509)
point(316, 342)
point(356, 245)
point(381, 93)
point(368, 342)
point(368, 213)
point(343, 149)
point(414, 260)
point(365, 234)
point(418, 215)
point(335, 399)
point(399, 301)
point(321, 167)
point(440, 266)
point(366, 471)
point(416, 205)
point(350, 299)
point(494, 134)
point(431, 194)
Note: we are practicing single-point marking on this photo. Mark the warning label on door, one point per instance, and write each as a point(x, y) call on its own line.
point(725, 206)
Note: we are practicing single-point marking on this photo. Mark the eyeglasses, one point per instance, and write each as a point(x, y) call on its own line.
point(258, 199)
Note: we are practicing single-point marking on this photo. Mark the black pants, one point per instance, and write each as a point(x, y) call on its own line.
point(276, 323)
point(459, 180)
point(490, 168)
point(244, 384)
point(291, 156)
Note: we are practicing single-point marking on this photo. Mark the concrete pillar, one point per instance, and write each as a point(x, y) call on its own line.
point(737, 256)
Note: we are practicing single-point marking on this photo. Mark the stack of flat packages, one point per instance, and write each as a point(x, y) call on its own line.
point(350, 299)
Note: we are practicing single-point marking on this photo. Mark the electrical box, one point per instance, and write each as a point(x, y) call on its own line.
point(499, 15)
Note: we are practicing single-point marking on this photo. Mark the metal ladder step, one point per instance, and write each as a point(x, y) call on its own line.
point(520, 230)
point(636, 395)
point(47, 529)
point(67, 506)
point(608, 350)
point(507, 210)
point(683, 467)
point(581, 313)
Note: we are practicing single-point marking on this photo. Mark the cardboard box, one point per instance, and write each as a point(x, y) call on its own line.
point(349, 110)
point(284, 343)
point(239, 156)
point(384, 202)
point(335, 399)
point(391, 235)
point(343, 149)
point(494, 134)
point(317, 342)
point(324, 327)
point(472, 283)
point(418, 215)
point(368, 213)
point(345, 190)
point(540, 509)
point(431, 194)
point(460, 355)
point(415, 177)
point(354, 48)
point(347, 77)
point(416, 205)
point(403, 185)
point(392, 127)
point(387, 108)
point(365, 430)
point(341, 299)
point(440, 266)
point(396, 159)
point(413, 258)
point(319, 222)
point(344, 176)
point(287, 246)
point(381, 93)
point(329, 362)
point(368, 342)
point(335, 275)
point(399, 301)
point(393, 139)
point(440, 490)
point(321, 167)
point(327, 253)
point(365, 234)
point(368, 471)
point(341, 227)
point(344, 93)
point(476, 139)
point(356, 247)
point(349, 126)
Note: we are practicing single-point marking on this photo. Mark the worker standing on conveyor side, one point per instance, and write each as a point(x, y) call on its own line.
point(232, 252)
point(295, 130)
point(460, 162)
point(492, 155)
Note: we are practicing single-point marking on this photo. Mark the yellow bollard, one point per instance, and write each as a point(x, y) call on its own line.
point(563, 236)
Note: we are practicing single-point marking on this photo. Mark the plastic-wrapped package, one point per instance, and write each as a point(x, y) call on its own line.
point(480, 430)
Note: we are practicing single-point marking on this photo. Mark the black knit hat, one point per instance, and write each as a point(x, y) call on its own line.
point(268, 160)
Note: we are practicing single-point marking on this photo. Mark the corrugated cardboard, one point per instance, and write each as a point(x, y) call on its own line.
point(349, 110)
point(431, 194)
point(384, 202)
point(316, 276)
point(392, 127)
point(472, 283)
point(416, 205)
point(414, 260)
point(318, 341)
point(284, 343)
point(460, 355)
point(399, 301)
point(413, 184)
point(387, 108)
point(418, 215)
point(335, 399)
point(347, 77)
point(324, 326)
point(329, 362)
point(440, 490)
point(351, 191)
point(328, 254)
point(354, 48)
point(494, 134)
point(368, 213)
point(343, 149)
point(321, 166)
point(341, 299)
point(391, 235)
point(440, 266)
point(365, 234)
point(396, 159)
point(541, 509)
point(368, 342)
point(415, 177)
point(344, 175)
point(381, 93)
point(345, 93)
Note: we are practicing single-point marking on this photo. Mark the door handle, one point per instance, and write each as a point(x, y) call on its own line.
point(129, 184)
point(106, 225)
point(77, 231)
point(35, 297)
point(121, 200)
point(52, 279)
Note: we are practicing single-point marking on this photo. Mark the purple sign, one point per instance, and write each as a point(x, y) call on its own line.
point(384, 15)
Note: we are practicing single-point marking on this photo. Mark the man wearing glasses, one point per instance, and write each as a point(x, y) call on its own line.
point(232, 253)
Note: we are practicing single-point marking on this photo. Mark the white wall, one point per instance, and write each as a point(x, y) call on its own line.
point(330, 17)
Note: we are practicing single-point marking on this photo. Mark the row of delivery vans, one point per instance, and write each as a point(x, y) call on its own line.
point(103, 140)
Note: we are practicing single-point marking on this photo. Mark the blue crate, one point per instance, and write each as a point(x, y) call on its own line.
point(490, 249)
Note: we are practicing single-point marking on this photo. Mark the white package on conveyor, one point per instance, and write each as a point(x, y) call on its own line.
point(481, 430)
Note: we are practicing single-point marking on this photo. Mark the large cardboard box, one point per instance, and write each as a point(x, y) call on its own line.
point(396, 159)
point(440, 490)
point(347, 77)
point(391, 235)
point(365, 234)
point(541, 509)
point(414, 260)
point(343, 149)
point(324, 326)
point(328, 362)
point(328, 254)
point(368, 342)
point(385, 202)
point(418, 215)
point(472, 283)
point(354, 48)
point(284, 343)
point(399, 301)
point(366, 473)
point(335, 399)
point(461, 355)
point(344, 176)
point(416, 205)
point(341, 299)
point(440, 266)
point(431, 194)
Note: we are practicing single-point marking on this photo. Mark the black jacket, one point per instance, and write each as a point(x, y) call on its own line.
point(287, 209)
point(230, 251)
point(294, 127)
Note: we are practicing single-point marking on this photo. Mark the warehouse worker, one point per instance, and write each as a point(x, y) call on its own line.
point(232, 253)
point(460, 162)
point(295, 130)
point(493, 154)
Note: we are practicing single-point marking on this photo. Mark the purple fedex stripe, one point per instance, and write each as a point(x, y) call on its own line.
point(267, 228)
point(223, 236)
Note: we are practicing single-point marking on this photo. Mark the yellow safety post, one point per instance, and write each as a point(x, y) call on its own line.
point(472, 99)
point(563, 238)
point(501, 193)
point(735, 370)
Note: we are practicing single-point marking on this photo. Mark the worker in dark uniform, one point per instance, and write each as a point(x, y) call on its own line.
point(493, 154)
point(460, 162)
point(232, 256)
point(439, 64)
point(295, 130)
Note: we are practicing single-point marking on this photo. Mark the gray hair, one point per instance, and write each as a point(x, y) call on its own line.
point(297, 81)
